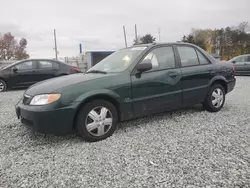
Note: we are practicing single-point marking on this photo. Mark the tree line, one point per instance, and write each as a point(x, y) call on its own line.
point(227, 42)
point(11, 49)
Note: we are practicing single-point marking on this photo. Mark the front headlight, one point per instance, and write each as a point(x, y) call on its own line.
point(44, 99)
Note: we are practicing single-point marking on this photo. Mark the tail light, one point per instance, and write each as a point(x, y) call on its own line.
point(75, 69)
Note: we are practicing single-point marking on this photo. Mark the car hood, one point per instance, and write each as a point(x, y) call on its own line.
point(48, 86)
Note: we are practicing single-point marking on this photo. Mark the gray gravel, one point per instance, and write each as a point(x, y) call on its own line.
point(186, 148)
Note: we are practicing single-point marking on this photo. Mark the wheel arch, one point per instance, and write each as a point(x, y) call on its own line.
point(220, 80)
point(99, 96)
point(1, 78)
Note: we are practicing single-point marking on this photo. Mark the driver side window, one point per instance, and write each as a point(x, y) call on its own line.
point(25, 65)
point(161, 58)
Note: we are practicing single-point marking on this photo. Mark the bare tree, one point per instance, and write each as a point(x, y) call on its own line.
point(10, 49)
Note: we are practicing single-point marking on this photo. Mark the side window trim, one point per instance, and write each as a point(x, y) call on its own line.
point(195, 49)
point(197, 56)
point(150, 50)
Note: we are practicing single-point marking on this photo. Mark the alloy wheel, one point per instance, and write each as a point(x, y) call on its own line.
point(99, 121)
point(217, 98)
point(1, 86)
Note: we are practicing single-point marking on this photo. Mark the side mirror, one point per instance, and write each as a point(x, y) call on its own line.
point(233, 62)
point(144, 66)
point(15, 69)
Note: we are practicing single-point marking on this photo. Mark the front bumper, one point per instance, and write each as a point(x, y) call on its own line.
point(46, 119)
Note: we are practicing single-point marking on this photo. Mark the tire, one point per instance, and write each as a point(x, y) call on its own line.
point(62, 75)
point(3, 86)
point(219, 100)
point(96, 128)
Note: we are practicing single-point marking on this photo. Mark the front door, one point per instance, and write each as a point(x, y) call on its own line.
point(197, 71)
point(22, 74)
point(158, 89)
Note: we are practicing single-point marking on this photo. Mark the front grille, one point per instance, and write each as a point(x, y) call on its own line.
point(26, 99)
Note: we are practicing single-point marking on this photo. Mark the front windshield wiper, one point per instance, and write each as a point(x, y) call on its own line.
point(97, 71)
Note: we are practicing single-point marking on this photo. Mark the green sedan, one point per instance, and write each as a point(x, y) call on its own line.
point(130, 83)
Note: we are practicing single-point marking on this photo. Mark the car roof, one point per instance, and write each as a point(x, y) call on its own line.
point(164, 43)
point(43, 59)
point(20, 61)
point(209, 56)
point(239, 56)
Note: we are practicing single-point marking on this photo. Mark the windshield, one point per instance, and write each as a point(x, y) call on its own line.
point(118, 61)
point(8, 65)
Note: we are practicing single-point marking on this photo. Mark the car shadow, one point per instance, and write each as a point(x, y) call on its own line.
point(158, 117)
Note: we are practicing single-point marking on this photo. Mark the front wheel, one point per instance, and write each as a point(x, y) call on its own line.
point(215, 98)
point(97, 120)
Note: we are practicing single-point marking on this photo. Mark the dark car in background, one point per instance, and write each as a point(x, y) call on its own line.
point(130, 83)
point(27, 72)
point(241, 64)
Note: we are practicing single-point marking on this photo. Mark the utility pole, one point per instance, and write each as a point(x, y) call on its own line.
point(159, 33)
point(125, 37)
point(136, 36)
point(55, 43)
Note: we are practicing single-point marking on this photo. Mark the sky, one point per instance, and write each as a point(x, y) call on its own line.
point(97, 24)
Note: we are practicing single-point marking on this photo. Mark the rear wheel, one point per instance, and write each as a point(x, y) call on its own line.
point(215, 98)
point(97, 120)
point(3, 86)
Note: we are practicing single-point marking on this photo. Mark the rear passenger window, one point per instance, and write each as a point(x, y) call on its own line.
point(188, 56)
point(202, 59)
point(45, 64)
point(56, 65)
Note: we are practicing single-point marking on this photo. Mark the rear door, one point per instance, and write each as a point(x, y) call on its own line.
point(197, 71)
point(159, 88)
point(47, 69)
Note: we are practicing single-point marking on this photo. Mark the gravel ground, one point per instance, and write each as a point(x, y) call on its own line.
point(186, 148)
